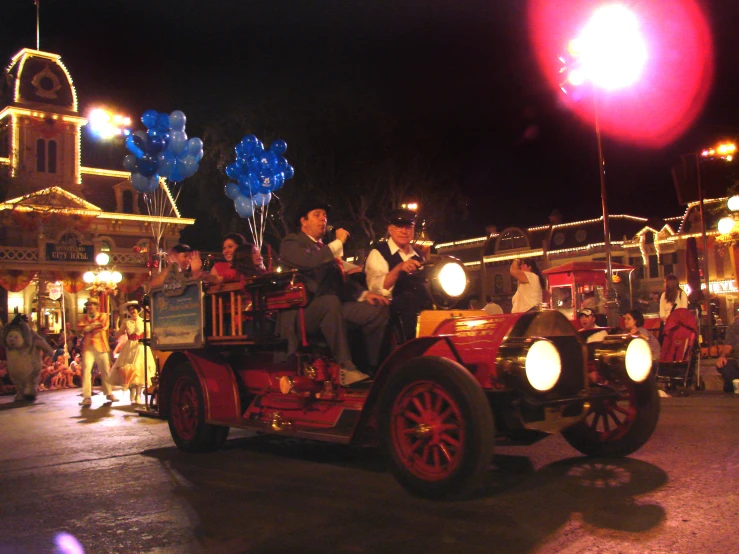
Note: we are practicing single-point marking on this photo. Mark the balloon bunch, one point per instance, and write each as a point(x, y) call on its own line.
point(163, 150)
point(257, 174)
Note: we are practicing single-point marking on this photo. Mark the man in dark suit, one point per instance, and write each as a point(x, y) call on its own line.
point(334, 302)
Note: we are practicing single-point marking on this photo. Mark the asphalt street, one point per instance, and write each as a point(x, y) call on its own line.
point(107, 480)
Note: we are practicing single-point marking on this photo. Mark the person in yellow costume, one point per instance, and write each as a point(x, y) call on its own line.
point(95, 349)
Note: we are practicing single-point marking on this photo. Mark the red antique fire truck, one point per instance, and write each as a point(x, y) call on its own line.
point(436, 404)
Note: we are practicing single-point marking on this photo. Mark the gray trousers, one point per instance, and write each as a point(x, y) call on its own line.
point(332, 318)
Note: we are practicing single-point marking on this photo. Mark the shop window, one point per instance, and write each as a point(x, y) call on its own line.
point(653, 267)
point(41, 155)
point(46, 156)
point(52, 156)
point(127, 202)
point(637, 263)
point(670, 263)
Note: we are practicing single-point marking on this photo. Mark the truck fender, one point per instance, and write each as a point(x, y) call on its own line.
point(217, 380)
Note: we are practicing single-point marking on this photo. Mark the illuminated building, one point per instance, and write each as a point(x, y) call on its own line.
point(655, 247)
point(56, 215)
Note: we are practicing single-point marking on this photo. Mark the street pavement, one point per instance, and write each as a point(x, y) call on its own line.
point(105, 480)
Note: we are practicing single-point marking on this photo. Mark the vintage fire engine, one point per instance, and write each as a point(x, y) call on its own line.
point(435, 405)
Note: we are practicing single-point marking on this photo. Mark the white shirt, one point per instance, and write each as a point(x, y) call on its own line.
point(528, 294)
point(376, 268)
point(665, 307)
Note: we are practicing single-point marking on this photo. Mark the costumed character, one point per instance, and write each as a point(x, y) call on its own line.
point(128, 370)
point(95, 349)
point(23, 348)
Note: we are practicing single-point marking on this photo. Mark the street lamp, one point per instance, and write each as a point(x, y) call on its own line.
point(102, 280)
point(609, 53)
point(107, 126)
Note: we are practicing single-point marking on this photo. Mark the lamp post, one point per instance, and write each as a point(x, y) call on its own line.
point(103, 281)
point(609, 53)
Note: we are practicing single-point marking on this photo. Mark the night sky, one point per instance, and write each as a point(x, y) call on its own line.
point(461, 69)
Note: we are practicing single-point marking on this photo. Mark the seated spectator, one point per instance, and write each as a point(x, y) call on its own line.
point(634, 325)
point(76, 368)
point(586, 316)
point(224, 272)
point(247, 261)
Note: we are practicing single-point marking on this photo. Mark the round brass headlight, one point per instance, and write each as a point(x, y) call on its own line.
point(543, 365)
point(638, 360)
point(447, 281)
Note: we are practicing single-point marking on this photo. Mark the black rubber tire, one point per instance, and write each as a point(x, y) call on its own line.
point(186, 417)
point(451, 389)
point(634, 417)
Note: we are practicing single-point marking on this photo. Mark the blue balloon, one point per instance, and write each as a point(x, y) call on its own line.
point(255, 183)
point(129, 162)
point(166, 163)
point(149, 119)
point(135, 145)
point(189, 166)
point(177, 120)
point(194, 145)
point(153, 183)
point(281, 163)
point(176, 174)
point(163, 121)
point(276, 182)
point(262, 199)
point(139, 182)
point(289, 172)
point(233, 171)
point(178, 142)
point(156, 142)
point(278, 147)
point(232, 190)
point(244, 206)
point(148, 165)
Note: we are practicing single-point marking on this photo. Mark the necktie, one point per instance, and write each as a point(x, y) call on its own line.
point(319, 244)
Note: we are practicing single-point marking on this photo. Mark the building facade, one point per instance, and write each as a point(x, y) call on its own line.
point(656, 248)
point(56, 215)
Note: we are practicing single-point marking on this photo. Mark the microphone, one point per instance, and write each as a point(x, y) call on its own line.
point(329, 230)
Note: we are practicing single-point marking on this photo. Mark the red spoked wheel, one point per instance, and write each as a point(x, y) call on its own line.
point(437, 428)
point(615, 427)
point(186, 419)
point(428, 430)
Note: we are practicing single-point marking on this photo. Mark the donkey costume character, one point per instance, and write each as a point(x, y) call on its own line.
point(23, 348)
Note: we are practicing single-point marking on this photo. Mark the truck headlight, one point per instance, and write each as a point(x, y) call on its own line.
point(627, 355)
point(543, 365)
point(638, 360)
point(531, 364)
point(447, 281)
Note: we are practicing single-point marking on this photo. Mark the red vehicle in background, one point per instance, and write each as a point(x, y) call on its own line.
point(435, 405)
point(577, 285)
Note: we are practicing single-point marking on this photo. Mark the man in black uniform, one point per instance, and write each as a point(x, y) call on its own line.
point(390, 269)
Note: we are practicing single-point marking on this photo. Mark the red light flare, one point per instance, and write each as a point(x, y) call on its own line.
point(675, 81)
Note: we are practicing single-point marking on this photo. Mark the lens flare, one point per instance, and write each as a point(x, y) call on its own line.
point(651, 66)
